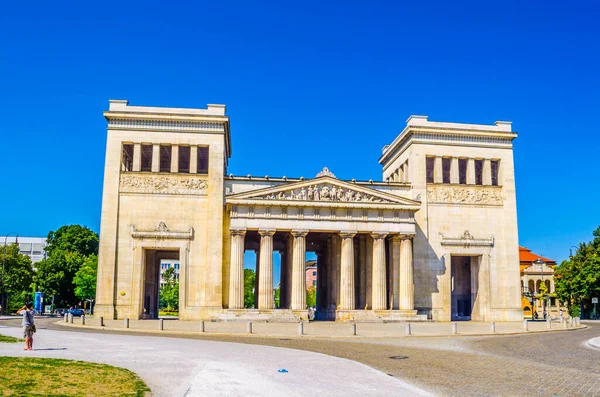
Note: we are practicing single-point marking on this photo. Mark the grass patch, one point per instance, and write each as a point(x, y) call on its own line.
point(10, 339)
point(23, 376)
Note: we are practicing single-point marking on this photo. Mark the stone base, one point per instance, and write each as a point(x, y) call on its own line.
point(378, 316)
point(264, 316)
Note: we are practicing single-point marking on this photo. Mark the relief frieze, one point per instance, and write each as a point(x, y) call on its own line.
point(162, 184)
point(480, 195)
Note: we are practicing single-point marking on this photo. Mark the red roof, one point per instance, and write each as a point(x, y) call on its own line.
point(525, 255)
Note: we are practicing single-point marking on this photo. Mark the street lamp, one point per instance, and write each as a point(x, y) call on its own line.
point(2, 300)
point(539, 262)
point(571, 252)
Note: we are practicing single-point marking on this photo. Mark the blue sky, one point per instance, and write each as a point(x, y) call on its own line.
point(310, 84)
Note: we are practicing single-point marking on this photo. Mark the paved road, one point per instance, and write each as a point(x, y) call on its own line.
point(544, 364)
point(183, 367)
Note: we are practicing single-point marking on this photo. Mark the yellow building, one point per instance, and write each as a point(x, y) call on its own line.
point(533, 274)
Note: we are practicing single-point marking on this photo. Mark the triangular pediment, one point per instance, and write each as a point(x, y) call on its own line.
point(324, 189)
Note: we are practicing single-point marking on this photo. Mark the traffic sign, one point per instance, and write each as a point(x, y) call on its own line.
point(594, 300)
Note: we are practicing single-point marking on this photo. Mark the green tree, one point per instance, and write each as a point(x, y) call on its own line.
point(18, 277)
point(578, 279)
point(86, 277)
point(249, 282)
point(67, 250)
point(311, 296)
point(278, 296)
point(169, 291)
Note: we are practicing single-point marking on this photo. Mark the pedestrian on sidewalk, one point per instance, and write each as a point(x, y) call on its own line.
point(28, 324)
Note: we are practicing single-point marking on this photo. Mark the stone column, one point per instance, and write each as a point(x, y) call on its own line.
point(470, 171)
point(454, 178)
point(155, 157)
point(265, 276)
point(394, 263)
point(320, 273)
point(193, 159)
point(437, 170)
point(406, 175)
point(378, 279)
point(487, 172)
point(236, 272)
point(299, 270)
point(289, 257)
point(407, 298)
point(174, 158)
point(282, 276)
point(347, 271)
point(137, 157)
point(400, 174)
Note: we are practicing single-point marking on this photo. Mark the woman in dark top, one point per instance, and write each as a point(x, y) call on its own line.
point(28, 325)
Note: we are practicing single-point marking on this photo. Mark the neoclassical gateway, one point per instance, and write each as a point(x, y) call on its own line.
point(436, 238)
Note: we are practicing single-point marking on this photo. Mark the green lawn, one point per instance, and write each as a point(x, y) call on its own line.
point(10, 339)
point(24, 376)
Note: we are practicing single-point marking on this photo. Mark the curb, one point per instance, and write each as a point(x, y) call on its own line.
point(315, 337)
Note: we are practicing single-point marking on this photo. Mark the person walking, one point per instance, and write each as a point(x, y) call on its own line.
point(28, 324)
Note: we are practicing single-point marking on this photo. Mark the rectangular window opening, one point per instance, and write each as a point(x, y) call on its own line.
point(165, 158)
point(203, 159)
point(446, 164)
point(127, 157)
point(184, 159)
point(430, 164)
point(479, 172)
point(146, 158)
point(462, 171)
point(495, 171)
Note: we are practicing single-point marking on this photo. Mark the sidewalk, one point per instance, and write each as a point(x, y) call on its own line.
point(322, 329)
point(174, 367)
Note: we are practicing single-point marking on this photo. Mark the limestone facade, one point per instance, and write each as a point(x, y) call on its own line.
point(436, 238)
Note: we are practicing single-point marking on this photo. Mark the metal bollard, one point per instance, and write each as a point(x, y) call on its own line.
point(126, 322)
point(66, 317)
point(249, 327)
point(300, 328)
point(161, 324)
point(82, 320)
point(101, 321)
point(354, 329)
point(70, 318)
point(202, 329)
point(408, 331)
point(525, 325)
point(493, 327)
point(454, 328)
point(549, 324)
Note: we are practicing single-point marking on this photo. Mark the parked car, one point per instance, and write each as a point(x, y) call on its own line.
point(61, 312)
point(77, 312)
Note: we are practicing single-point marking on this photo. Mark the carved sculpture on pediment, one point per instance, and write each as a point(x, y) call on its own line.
point(324, 192)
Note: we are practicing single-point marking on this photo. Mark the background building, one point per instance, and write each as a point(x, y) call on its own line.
point(311, 273)
point(33, 247)
point(533, 275)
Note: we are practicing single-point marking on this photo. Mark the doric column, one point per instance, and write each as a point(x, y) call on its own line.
point(454, 170)
point(289, 257)
point(347, 271)
point(362, 271)
point(394, 264)
point(174, 158)
point(470, 171)
point(155, 157)
point(137, 157)
point(407, 298)
point(378, 281)
point(299, 270)
point(265, 276)
point(406, 174)
point(236, 272)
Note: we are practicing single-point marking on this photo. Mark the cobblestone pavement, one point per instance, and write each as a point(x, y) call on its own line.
point(541, 364)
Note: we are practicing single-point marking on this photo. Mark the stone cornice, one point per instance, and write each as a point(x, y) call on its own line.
point(466, 240)
point(162, 232)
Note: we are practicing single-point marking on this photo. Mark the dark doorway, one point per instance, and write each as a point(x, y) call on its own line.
point(462, 304)
point(156, 262)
